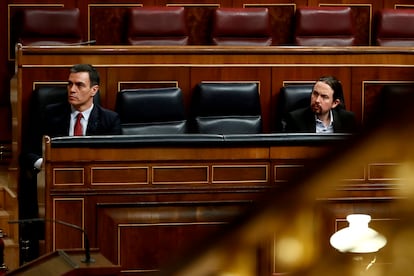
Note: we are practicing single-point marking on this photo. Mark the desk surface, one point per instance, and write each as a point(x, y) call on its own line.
point(28, 56)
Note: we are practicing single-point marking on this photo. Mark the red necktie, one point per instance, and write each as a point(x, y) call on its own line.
point(78, 126)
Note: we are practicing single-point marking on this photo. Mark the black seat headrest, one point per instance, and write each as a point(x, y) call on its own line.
point(292, 97)
point(224, 108)
point(152, 110)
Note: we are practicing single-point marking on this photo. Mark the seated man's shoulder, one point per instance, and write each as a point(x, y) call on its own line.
point(347, 113)
point(106, 111)
point(299, 111)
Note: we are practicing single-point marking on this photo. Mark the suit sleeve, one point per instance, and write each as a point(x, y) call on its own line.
point(116, 125)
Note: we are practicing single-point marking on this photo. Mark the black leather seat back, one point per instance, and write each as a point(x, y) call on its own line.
point(41, 97)
point(152, 111)
point(291, 97)
point(227, 108)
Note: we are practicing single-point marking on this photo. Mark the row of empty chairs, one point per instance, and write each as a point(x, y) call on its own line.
point(216, 108)
point(314, 26)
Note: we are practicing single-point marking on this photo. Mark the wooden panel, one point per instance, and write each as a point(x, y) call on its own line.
point(174, 228)
point(108, 23)
point(247, 174)
point(119, 176)
point(199, 20)
point(68, 176)
point(287, 172)
point(357, 174)
point(67, 210)
point(297, 152)
point(371, 97)
point(366, 84)
point(383, 171)
point(186, 174)
point(282, 17)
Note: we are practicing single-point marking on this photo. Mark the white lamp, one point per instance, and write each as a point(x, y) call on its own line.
point(358, 237)
point(360, 241)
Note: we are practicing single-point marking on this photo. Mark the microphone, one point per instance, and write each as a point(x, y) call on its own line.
point(89, 42)
point(87, 258)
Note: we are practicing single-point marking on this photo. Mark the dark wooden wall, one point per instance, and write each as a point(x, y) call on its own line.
point(105, 22)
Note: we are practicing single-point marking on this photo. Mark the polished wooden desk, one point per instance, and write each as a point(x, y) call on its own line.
point(139, 197)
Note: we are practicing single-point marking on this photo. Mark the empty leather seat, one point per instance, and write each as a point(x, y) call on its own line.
point(324, 26)
point(395, 27)
point(241, 26)
point(152, 111)
point(226, 108)
point(291, 97)
point(50, 27)
point(157, 26)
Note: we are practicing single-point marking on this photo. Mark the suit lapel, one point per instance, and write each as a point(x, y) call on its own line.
point(337, 125)
point(93, 121)
point(310, 123)
point(60, 124)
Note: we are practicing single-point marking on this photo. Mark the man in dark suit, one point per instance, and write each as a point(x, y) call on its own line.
point(62, 120)
point(326, 112)
point(83, 84)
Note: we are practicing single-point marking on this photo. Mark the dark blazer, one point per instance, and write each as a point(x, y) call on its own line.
point(303, 120)
point(101, 122)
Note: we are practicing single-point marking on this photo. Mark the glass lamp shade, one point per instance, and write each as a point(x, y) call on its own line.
point(358, 237)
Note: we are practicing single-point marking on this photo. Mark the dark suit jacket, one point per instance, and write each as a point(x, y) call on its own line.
point(303, 120)
point(101, 122)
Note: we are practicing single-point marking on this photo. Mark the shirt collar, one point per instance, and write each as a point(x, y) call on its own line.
point(321, 128)
point(330, 117)
point(86, 113)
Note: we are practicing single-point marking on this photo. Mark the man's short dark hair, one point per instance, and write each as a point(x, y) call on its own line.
point(93, 73)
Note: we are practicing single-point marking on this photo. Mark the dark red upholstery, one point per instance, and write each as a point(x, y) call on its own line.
point(241, 26)
point(157, 26)
point(324, 26)
point(395, 27)
point(50, 27)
